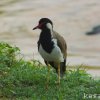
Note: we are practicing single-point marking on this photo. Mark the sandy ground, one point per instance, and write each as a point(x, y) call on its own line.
point(71, 18)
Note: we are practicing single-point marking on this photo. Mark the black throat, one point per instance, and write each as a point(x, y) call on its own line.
point(45, 40)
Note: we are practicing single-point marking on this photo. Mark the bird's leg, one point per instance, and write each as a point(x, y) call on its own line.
point(48, 75)
point(58, 73)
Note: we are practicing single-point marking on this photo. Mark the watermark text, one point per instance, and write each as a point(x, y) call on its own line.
point(91, 96)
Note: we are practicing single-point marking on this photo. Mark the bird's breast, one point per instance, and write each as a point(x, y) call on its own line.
point(56, 54)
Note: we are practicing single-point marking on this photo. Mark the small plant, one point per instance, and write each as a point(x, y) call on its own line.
point(26, 80)
point(8, 54)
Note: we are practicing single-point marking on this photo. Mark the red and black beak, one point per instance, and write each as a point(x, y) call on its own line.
point(38, 27)
point(35, 28)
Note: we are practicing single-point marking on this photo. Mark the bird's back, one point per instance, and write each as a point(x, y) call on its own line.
point(61, 43)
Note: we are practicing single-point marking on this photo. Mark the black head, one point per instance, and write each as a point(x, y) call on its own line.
point(44, 23)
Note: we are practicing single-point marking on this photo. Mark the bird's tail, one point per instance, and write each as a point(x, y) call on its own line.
point(62, 68)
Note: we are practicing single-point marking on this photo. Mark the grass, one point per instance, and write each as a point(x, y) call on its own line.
point(26, 80)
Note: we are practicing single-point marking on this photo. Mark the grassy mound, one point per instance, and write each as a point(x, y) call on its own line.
point(26, 80)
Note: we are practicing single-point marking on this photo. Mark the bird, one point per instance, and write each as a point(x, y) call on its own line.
point(52, 47)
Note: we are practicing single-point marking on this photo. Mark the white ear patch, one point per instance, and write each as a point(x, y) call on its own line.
point(49, 26)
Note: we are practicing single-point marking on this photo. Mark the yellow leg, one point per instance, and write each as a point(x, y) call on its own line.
point(59, 73)
point(48, 75)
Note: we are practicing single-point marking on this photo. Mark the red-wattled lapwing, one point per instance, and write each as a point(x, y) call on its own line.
point(52, 47)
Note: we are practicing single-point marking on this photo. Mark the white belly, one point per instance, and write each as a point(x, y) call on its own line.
point(55, 55)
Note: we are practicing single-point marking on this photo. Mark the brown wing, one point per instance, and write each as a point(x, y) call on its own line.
point(63, 46)
point(61, 43)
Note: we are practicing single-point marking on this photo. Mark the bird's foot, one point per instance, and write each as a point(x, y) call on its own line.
point(64, 77)
point(47, 84)
point(57, 82)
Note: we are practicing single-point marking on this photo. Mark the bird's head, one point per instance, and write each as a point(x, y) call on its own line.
point(44, 23)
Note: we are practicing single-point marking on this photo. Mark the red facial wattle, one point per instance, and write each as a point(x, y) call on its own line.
point(38, 27)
